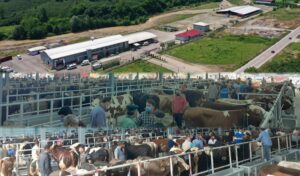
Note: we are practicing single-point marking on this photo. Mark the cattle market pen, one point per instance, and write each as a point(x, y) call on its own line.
point(285, 151)
point(37, 104)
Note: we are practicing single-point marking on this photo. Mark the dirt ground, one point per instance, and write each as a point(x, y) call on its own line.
point(9, 45)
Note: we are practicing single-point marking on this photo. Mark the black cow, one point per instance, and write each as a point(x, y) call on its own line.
point(140, 99)
point(134, 151)
point(193, 97)
point(98, 155)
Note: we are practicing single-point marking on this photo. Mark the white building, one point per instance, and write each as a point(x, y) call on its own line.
point(201, 26)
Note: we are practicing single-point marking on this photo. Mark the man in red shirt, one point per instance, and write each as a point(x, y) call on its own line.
point(179, 104)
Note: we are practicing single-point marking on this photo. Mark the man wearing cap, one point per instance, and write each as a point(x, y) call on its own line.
point(128, 121)
point(266, 141)
point(98, 114)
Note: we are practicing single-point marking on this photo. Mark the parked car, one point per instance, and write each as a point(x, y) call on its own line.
point(96, 66)
point(85, 62)
point(71, 66)
point(146, 43)
point(19, 57)
point(4, 68)
point(273, 51)
point(9, 70)
point(290, 38)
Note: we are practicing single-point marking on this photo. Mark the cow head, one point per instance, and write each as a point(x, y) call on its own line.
point(6, 166)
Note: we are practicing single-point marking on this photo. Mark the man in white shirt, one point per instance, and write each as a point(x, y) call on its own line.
point(35, 151)
point(186, 145)
point(212, 140)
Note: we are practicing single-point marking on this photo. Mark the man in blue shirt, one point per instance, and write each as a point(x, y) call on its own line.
point(238, 136)
point(197, 142)
point(265, 139)
point(119, 152)
point(98, 114)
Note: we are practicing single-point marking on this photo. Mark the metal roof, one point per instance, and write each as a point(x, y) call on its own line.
point(38, 48)
point(140, 36)
point(190, 33)
point(201, 24)
point(77, 48)
point(241, 10)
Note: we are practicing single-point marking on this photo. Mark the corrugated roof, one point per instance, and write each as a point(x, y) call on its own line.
point(190, 33)
point(38, 48)
point(140, 36)
point(84, 46)
point(201, 24)
point(241, 10)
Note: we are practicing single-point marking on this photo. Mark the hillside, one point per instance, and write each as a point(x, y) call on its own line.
point(35, 19)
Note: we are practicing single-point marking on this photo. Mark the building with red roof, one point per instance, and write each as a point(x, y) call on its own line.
point(188, 35)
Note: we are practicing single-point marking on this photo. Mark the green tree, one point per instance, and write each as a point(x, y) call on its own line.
point(42, 15)
point(2, 12)
point(19, 33)
point(2, 36)
point(37, 32)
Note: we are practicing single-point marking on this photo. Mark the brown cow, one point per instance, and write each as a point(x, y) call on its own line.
point(275, 170)
point(204, 117)
point(6, 166)
point(158, 167)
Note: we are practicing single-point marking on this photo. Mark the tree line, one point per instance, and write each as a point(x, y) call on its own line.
point(91, 14)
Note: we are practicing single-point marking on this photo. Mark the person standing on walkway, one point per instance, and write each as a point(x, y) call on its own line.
point(212, 92)
point(45, 161)
point(265, 139)
point(179, 104)
point(35, 151)
point(98, 116)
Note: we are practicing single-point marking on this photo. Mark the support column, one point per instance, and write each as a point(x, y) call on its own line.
point(43, 137)
point(160, 76)
point(112, 83)
point(1, 97)
point(206, 76)
point(81, 135)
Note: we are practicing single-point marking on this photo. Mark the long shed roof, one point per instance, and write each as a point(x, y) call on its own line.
point(139, 37)
point(77, 48)
point(241, 10)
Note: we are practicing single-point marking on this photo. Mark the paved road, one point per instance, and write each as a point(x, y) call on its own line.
point(267, 54)
point(178, 65)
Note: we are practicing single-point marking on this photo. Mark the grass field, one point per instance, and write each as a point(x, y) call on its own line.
point(286, 61)
point(139, 66)
point(236, 2)
point(227, 50)
point(7, 30)
point(284, 14)
point(211, 5)
point(174, 18)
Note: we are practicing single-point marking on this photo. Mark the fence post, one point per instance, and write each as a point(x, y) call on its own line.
point(278, 141)
point(230, 159)
point(236, 156)
point(290, 141)
point(212, 161)
point(139, 168)
point(171, 166)
point(250, 151)
point(190, 164)
point(286, 142)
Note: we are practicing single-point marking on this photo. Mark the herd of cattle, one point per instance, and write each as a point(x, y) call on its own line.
point(67, 156)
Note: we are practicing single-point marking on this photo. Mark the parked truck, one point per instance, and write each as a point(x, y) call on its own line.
point(5, 59)
point(107, 63)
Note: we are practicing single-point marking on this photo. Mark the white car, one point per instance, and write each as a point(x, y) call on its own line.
point(4, 68)
point(85, 62)
point(71, 66)
point(96, 66)
point(19, 57)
